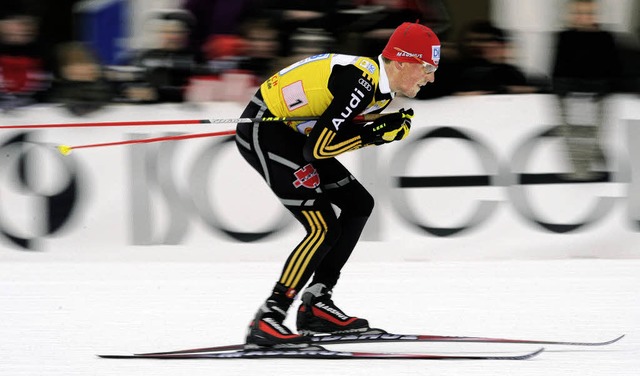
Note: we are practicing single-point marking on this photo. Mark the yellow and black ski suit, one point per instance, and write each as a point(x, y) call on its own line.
point(297, 159)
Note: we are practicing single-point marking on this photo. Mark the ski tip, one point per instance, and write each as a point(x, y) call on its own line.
point(526, 356)
point(535, 353)
point(603, 343)
point(614, 340)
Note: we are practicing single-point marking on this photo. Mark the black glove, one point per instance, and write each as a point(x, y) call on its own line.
point(388, 128)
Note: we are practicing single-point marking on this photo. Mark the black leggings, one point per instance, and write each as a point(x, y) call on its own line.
point(309, 191)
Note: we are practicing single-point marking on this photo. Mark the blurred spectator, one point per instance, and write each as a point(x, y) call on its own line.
point(25, 65)
point(216, 17)
point(167, 68)
point(289, 17)
point(260, 48)
point(237, 63)
point(80, 84)
point(224, 52)
point(58, 22)
point(435, 14)
point(308, 42)
point(377, 27)
point(484, 63)
point(229, 78)
point(221, 46)
point(581, 86)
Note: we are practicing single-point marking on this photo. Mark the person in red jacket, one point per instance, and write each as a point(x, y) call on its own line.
point(25, 74)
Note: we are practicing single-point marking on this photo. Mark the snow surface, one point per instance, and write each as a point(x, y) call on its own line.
point(55, 316)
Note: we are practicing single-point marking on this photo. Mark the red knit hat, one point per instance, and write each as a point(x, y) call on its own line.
point(413, 40)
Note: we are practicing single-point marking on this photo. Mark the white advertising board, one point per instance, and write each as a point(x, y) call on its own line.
point(478, 178)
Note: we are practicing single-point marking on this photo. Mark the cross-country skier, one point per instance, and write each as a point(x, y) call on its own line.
point(297, 161)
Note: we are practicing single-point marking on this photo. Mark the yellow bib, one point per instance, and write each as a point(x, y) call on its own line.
point(301, 89)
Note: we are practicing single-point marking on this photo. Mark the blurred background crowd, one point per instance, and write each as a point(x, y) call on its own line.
point(85, 54)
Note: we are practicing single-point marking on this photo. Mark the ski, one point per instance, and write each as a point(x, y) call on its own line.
point(324, 354)
point(390, 337)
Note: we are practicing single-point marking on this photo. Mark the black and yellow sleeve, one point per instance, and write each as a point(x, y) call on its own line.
point(334, 133)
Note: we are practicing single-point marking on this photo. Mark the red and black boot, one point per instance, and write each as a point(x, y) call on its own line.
point(268, 330)
point(318, 314)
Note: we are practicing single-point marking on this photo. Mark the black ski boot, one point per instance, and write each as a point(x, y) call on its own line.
point(318, 314)
point(267, 330)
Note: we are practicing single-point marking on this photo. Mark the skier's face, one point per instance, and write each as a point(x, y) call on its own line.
point(412, 77)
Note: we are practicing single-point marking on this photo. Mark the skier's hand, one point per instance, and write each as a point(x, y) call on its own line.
point(388, 128)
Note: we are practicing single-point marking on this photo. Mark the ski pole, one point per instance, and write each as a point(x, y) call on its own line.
point(359, 118)
point(66, 149)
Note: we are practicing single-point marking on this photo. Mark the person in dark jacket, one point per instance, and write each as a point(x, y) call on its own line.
point(167, 68)
point(79, 84)
point(585, 69)
point(485, 67)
